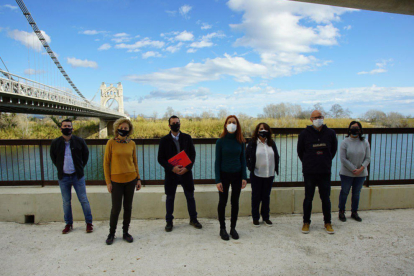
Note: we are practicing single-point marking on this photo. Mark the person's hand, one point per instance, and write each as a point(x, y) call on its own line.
point(182, 171)
point(109, 186)
point(244, 183)
point(139, 185)
point(176, 169)
point(358, 171)
point(219, 187)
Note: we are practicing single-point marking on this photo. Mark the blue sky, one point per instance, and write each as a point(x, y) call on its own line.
point(237, 55)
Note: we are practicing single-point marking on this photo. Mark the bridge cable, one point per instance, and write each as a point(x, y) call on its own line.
point(42, 40)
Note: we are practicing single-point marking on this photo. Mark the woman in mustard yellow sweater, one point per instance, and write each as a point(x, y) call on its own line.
point(121, 176)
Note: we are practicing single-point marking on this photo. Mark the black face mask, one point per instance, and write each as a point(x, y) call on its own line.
point(263, 133)
point(66, 131)
point(175, 127)
point(122, 132)
point(354, 131)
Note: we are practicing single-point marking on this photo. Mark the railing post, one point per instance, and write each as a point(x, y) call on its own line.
point(369, 165)
point(42, 172)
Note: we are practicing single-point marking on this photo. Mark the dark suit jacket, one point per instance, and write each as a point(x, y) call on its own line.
point(166, 150)
point(80, 154)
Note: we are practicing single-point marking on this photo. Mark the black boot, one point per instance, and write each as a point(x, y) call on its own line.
point(224, 235)
point(110, 239)
point(234, 234)
point(169, 226)
point(342, 216)
point(127, 237)
point(355, 216)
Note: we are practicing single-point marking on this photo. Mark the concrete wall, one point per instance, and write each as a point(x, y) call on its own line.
point(46, 203)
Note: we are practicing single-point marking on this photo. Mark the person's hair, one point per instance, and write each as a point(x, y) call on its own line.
point(361, 132)
point(119, 122)
point(66, 120)
point(173, 117)
point(255, 135)
point(239, 133)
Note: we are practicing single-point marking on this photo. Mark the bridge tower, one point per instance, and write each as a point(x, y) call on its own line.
point(108, 93)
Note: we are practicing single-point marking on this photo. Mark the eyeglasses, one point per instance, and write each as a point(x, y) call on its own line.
point(319, 117)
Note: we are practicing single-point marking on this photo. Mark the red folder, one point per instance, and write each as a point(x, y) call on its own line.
point(180, 159)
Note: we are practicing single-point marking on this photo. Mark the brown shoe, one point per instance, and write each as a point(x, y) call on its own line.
point(67, 229)
point(305, 228)
point(89, 228)
point(329, 229)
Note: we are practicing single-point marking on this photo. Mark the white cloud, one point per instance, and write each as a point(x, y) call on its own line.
point(171, 13)
point(191, 50)
point(205, 40)
point(104, 47)
point(74, 62)
point(184, 36)
point(11, 7)
point(29, 40)
point(33, 72)
point(380, 68)
point(151, 54)
point(139, 44)
point(174, 48)
point(121, 37)
point(192, 73)
point(179, 94)
point(205, 26)
point(184, 10)
point(348, 27)
point(90, 32)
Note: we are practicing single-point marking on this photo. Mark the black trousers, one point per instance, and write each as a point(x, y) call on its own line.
point(235, 180)
point(261, 189)
point(126, 192)
point(323, 181)
point(191, 205)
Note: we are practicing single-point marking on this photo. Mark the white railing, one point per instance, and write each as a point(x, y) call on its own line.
point(14, 84)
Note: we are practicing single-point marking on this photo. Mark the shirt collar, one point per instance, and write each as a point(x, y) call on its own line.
point(175, 137)
point(259, 141)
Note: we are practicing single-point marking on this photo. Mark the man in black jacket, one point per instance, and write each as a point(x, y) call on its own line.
point(70, 154)
point(171, 145)
point(317, 146)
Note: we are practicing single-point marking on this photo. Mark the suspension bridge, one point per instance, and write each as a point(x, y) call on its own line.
point(54, 96)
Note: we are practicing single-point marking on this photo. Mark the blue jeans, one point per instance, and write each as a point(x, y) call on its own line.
point(346, 183)
point(65, 185)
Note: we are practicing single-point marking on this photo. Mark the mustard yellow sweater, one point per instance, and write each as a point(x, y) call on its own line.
point(120, 162)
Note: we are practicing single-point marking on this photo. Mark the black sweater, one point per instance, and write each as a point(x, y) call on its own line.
point(316, 149)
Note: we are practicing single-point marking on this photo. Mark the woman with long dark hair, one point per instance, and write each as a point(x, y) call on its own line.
point(355, 157)
point(262, 161)
point(230, 169)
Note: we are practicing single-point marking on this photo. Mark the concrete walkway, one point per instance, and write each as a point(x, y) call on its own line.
point(383, 244)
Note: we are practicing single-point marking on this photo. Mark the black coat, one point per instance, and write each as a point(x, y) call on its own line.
point(80, 154)
point(251, 156)
point(166, 150)
point(316, 149)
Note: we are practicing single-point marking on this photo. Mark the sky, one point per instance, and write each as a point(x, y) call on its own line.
point(207, 55)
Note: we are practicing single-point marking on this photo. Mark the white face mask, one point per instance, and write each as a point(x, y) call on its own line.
point(318, 123)
point(231, 128)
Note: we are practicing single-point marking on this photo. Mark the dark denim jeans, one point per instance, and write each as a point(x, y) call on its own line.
point(191, 205)
point(346, 183)
point(261, 189)
point(235, 180)
point(65, 185)
point(323, 181)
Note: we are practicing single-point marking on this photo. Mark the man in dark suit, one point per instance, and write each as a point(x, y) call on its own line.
point(171, 145)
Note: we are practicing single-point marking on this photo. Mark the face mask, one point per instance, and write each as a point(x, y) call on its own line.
point(122, 132)
point(67, 131)
point(263, 133)
point(231, 128)
point(354, 131)
point(318, 122)
point(175, 127)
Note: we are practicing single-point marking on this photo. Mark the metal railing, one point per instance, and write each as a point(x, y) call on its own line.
point(27, 162)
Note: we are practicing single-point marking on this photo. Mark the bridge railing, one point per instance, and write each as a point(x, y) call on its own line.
point(14, 84)
point(27, 162)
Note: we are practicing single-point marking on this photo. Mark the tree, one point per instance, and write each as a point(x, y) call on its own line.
point(207, 114)
point(222, 114)
point(374, 115)
point(337, 111)
point(281, 110)
point(155, 115)
point(318, 106)
point(169, 112)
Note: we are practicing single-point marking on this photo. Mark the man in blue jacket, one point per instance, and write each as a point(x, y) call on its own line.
point(317, 146)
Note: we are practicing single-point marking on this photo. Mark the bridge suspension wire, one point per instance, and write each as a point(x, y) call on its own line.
point(42, 40)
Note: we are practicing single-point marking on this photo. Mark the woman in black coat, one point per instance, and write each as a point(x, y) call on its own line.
point(262, 161)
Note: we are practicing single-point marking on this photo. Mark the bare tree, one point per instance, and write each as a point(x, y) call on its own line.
point(222, 114)
point(337, 111)
point(154, 115)
point(169, 112)
point(374, 115)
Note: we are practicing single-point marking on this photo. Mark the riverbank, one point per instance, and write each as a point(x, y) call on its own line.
point(383, 244)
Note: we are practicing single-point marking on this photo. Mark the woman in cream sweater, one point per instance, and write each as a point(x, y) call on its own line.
point(121, 176)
